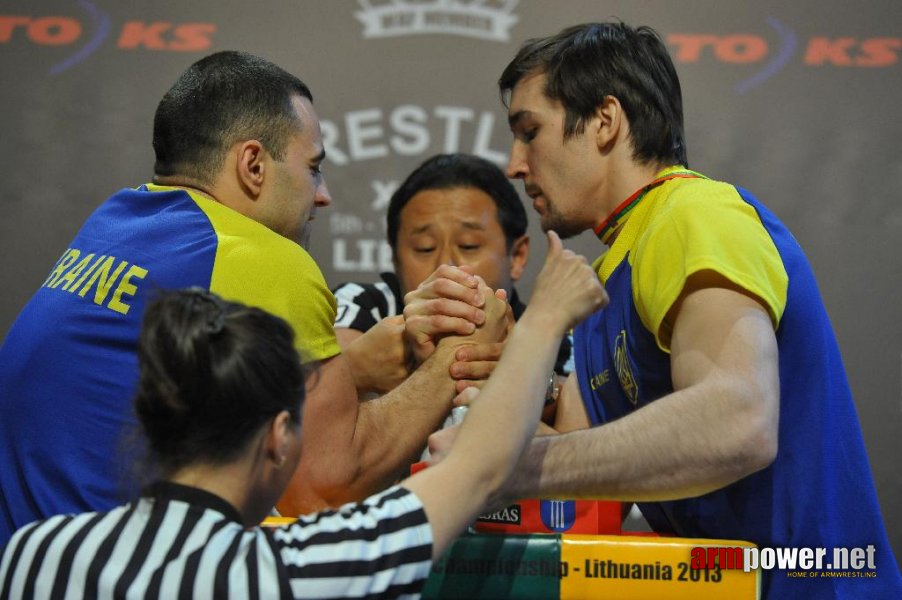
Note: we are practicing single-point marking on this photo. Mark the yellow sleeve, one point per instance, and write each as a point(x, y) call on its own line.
point(705, 225)
point(260, 268)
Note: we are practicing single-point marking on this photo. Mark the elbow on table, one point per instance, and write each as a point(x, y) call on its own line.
point(322, 485)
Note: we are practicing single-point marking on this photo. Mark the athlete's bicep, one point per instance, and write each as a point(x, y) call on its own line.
point(329, 462)
point(724, 349)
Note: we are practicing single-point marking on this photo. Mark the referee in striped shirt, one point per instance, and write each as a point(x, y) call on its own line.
point(219, 402)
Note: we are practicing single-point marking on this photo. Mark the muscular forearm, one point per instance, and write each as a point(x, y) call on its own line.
point(670, 449)
point(721, 424)
point(353, 448)
point(392, 430)
point(377, 358)
point(351, 454)
point(512, 388)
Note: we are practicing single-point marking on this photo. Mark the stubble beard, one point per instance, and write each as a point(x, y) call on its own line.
point(304, 237)
point(555, 220)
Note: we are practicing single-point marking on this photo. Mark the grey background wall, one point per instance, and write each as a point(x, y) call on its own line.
point(797, 102)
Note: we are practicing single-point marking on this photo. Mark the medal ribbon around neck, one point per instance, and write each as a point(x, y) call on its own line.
point(609, 225)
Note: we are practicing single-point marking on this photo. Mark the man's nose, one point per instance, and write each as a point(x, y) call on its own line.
point(448, 256)
point(516, 166)
point(322, 197)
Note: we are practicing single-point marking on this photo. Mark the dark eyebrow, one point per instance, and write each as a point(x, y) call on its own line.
point(421, 229)
point(473, 225)
point(514, 119)
point(319, 157)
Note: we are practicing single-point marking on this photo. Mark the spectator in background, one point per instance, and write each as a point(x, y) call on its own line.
point(453, 210)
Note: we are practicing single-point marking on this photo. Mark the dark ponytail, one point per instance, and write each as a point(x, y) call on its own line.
point(212, 373)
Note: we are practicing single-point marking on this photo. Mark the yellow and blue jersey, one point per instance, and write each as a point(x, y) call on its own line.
point(819, 491)
point(68, 367)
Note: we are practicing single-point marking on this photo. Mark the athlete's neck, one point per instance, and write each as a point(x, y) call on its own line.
point(626, 183)
point(185, 183)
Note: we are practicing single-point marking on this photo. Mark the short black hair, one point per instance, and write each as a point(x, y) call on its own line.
point(447, 171)
point(211, 374)
point(584, 63)
point(221, 99)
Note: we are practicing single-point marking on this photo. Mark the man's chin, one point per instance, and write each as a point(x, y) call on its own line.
point(563, 230)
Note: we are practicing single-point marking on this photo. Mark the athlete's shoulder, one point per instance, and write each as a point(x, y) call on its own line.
point(691, 195)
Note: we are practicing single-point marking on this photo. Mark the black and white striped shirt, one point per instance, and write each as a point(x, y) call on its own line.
point(362, 305)
point(182, 542)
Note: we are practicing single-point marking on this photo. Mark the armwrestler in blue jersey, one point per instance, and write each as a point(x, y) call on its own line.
point(236, 184)
point(711, 389)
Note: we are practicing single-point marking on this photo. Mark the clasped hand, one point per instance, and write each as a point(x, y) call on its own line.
point(456, 305)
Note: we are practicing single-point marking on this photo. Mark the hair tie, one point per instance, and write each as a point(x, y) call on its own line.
point(216, 320)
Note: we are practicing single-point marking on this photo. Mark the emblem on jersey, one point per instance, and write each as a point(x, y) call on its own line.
point(558, 515)
point(624, 371)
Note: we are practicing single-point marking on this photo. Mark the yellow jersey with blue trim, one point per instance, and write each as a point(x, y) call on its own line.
point(817, 492)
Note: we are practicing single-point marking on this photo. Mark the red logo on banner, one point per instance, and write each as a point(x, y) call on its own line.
point(849, 52)
point(160, 35)
point(47, 31)
point(154, 35)
point(750, 48)
point(88, 34)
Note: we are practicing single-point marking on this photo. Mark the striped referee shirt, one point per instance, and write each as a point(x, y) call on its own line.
point(182, 542)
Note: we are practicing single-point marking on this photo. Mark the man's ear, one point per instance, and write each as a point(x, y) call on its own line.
point(608, 122)
point(251, 160)
point(519, 255)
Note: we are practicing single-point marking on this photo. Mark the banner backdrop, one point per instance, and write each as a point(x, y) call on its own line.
point(796, 101)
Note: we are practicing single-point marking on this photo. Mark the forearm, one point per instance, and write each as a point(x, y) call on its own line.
point(690, 443)
point(364, 366)
point(358, 361)
point(392, 430)
point(377, 357)
point(498, 426)
point(502, 420)
point(512, 389)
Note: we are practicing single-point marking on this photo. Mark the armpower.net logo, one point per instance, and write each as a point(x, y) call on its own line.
point(797, 562)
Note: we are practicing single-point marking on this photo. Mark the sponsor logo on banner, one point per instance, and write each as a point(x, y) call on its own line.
point(86, 32)
point(771, 47)
point(482, 19)
point(506, 516)
point(558, 515)
point(376, 133)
